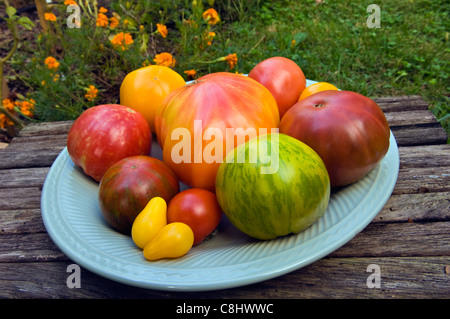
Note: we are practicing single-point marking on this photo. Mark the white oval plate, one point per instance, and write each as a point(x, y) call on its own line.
point(74, 221)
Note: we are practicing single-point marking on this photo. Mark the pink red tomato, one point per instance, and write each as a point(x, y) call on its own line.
point(198, 208)
point(129, 185)
point(348, 130)
point(283, 78)
point(104, 134)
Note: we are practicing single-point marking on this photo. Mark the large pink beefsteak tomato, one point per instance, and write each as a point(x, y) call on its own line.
point(200, 122)
point(348, 130)
point(129, 185)
point(284, 79)
point(104, 134)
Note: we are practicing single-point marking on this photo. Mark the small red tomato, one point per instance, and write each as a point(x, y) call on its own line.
point(198, 208)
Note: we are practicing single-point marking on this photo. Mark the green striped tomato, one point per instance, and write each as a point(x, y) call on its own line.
point(283, 189)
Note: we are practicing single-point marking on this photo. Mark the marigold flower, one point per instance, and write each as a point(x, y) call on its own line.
point(103, 10)
point(165, 59)
point(5, 121)
point(122, 40)
point(162, 29)
point(102, 20)
point(209, 37)
point(211, 16)
point(113, 22)
point(8, 105)
point(49, 16)
point(231, 60)
point(69, 2)
point(190, 73)
point(26, 107)
point(51, 63)
point(91, 93)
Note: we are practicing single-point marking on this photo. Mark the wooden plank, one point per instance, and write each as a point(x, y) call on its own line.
point(421, 207)
point(418, 136)
point(403, 118)
point(393, 240)
point(23, 177)
point(20, 198)
point(422, 180)
point(21, 221)
point(42, 157)
point(46, 128)
point(401, 103)
point(411, 277)
point(425, 156)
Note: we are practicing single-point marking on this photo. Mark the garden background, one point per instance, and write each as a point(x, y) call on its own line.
point(60, 66)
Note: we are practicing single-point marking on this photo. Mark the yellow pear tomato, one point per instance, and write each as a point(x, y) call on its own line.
point(145, 89)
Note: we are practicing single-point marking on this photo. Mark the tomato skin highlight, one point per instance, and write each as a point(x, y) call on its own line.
point(348, 130)
point(104, 134)
point(198, 208)
point(283, 78)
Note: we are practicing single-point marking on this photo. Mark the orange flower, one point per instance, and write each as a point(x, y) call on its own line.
point(122, 40)
point(91, 93)
point(231, 60)
point(103, 10)
point(165, 59)
point(26, 108)
point(190, 73)
point(8, 105)
point(102, 20)
point(209, 37)
point(49, 16)
point(113, 22)
point(162, 29)
point(69, 2)
point(211, 16)
point(51, 63)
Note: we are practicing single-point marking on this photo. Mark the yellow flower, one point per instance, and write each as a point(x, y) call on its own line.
point(190, 73)
point(113, 22)
point(102, 20)
point(51, 63)
point(162, 29)
point(165, 59)
point(49, 16)
point(103, 10)
point(91, 93)
point(231, 60)
point(122, 40)
point(211, 16)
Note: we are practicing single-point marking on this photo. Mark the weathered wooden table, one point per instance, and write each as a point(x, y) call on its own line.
point(409, 240)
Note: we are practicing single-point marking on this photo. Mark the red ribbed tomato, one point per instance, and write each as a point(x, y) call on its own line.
point(348, 130)
point(200, 122)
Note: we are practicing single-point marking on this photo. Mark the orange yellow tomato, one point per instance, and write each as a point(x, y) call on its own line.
point(145, 89)
point(316, 87)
